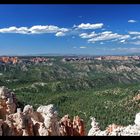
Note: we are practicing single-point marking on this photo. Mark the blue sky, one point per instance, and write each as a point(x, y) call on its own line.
point(69, 29)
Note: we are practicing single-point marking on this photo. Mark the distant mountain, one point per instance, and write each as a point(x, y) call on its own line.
point(134, 54)
point(73, 54)
point(58, 54)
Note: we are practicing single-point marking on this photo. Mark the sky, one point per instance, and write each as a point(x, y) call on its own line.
point(94, 29)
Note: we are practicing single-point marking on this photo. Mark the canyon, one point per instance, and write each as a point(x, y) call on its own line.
point(44, 121)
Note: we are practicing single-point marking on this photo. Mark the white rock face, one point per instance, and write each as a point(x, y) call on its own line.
point(137, 119)
point(28, 109)
point(95, 130)
point(3, 90)
point(42, 131)
point(131, 130)
point(49, 109)
point(50, 119)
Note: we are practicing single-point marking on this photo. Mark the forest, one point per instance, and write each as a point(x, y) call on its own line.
point(103, 89)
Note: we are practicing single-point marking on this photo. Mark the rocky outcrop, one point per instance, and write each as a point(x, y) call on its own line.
point(116, 130)
point(7, 102)
point(1, 127)
point(49, 115)
point(9, 59)
point(18, 124)
point(42, 122)
point(66, 126)
point(95, 130)
point(78, 126)
point(137, 119)
point(73, 127)
point(15, 122)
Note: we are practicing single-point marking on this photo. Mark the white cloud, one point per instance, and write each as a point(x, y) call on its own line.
point(132, 21)
point(108, 35)
point(37, 29)
point(85, 35)
point(89, 26)
point(134, 33)
point(103, 36)
point(122, 41)
point(135, 43)
point(74, 26)
point(83, 47)
point(124, 36)
point(63, 29)
point(106, 32)
point(136, 37)
point(60, 34)
point(13, 29)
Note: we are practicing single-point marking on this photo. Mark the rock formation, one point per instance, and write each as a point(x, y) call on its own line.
point(95, 130)
point(50, 119)
point(137, 119)
point(78, 126)
point(116, 130)
point(73, 127)
point(7, 102)
point(28, 122)
point(66, 126)
point(9, 59)
point(1, 127)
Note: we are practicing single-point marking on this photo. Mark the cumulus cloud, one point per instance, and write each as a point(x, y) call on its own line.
point(134, 33)
point(132, 21)
point(60, 34)
point(89, 26)
point(85, 35)
point(13, 29)
point(122, 41)
point(37, 29)
point(108, 35)
point(83, 47)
